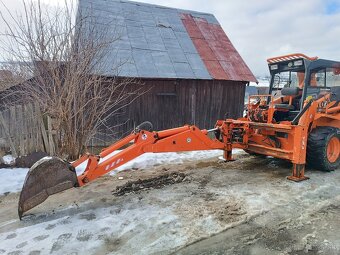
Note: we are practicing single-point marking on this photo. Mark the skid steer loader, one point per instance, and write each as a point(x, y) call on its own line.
point(299, 120)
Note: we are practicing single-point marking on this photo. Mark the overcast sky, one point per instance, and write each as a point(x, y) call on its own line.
point(266, 28)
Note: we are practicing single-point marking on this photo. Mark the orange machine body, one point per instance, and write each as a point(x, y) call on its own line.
point(261, 131)
point(257, 137)
point(298, 121)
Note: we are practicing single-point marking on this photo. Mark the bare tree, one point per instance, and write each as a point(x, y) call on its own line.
point(61, 63)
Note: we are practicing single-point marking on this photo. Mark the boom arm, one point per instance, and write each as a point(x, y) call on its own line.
point(186, 138)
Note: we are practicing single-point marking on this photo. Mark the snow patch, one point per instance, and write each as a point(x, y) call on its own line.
point(12, 179)
point(8, 159)
point(149, 160)
point(63, 235)
point(40, 161)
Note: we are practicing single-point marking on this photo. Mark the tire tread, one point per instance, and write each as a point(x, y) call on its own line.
point(317, 146)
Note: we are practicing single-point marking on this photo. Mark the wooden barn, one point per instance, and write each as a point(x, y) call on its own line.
point(191, 72)
point(184, 59)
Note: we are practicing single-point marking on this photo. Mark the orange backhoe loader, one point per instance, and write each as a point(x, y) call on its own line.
point(299, 121)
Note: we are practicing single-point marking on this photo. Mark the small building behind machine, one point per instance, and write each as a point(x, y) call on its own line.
point(183, 59)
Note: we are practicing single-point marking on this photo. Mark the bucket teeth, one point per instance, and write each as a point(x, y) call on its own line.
point(46, 177)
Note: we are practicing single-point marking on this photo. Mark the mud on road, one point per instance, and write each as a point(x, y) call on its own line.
point(241, 207)
point(157, 182)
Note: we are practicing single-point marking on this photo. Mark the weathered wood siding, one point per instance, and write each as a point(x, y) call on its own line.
point(168, 104)
point(173, 103)
point(23, 131)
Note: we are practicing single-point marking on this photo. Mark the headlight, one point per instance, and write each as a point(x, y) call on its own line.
point(274, 67)
point(298, 63)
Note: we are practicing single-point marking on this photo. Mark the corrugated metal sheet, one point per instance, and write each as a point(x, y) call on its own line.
point(219, 55)
point(161, 42)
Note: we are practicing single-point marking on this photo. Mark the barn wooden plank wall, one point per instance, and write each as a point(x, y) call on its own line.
point(167, 104)
point(22, 130)
point(172, 103)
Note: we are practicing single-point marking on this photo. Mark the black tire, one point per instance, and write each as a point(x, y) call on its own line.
point(317, 144)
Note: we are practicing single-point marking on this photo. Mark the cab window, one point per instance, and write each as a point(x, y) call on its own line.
point(333, 77)
point(288, 79)
point(328, 77)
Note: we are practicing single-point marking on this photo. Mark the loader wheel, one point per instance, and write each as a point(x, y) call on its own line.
point(323, 148)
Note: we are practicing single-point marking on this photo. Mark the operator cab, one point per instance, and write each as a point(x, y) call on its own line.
point(296, 77)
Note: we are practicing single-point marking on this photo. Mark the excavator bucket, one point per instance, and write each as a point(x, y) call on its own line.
point(48, 176)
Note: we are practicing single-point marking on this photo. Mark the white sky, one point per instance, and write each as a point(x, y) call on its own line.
point(265, 28)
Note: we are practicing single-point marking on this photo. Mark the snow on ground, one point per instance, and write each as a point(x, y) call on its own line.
point(262, 82)
point(148, 160)
point(85, 233)
point(8, 159)
point(11, 180)
point(151, 159)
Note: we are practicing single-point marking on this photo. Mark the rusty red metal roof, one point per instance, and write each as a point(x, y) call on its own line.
point(216, 50)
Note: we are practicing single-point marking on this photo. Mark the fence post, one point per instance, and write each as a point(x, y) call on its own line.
point(50, 137)
point(12, 127)
point(31, 129)
point(37, 124)
point(2, 121)
point(20, 129)
point(43, 132)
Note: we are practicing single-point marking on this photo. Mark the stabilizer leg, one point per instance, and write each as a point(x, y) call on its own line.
point(298, 173)
point(228, 155)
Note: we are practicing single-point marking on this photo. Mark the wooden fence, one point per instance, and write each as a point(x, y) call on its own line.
point(24, 130)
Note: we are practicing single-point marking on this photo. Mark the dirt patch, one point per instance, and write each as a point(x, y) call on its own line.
point(84, 236)
point(40, 238)
point(11, 236)
point(224, 209)
point(62, 239)
point(3, 165)
point(50, 226)
point(15, 253)
point(34, 253)
point(21, 245)
point(150, 183)
point(88, 216)
point(29, 160)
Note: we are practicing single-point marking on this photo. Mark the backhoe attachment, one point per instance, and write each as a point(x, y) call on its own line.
point(52, 175)
point(48, 176)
